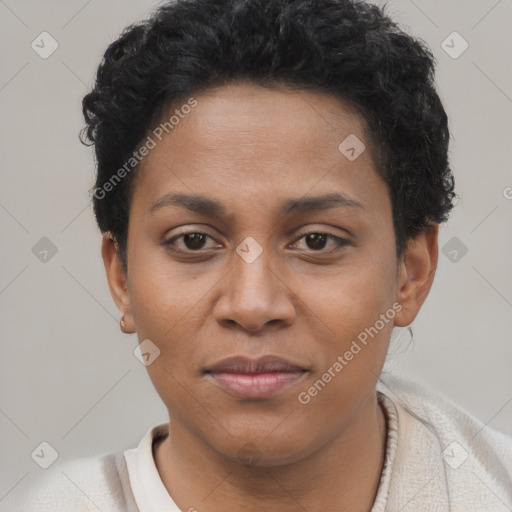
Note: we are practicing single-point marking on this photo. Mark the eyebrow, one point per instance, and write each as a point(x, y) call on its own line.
point(205, 205)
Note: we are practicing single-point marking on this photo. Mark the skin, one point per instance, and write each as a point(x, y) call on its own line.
point(251, 149)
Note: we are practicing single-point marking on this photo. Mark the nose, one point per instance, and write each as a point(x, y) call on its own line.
point(255, 296)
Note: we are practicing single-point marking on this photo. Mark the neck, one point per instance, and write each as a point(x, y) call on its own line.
point(343, 475)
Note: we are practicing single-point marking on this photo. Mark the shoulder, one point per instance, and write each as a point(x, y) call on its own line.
point(474, 459)
point(86, 484)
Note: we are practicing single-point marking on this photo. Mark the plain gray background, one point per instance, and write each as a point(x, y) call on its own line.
point(68, 375)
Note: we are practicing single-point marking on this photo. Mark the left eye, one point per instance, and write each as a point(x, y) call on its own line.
point(317, 241)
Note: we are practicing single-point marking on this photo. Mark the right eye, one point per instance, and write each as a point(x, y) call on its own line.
point(192, 242)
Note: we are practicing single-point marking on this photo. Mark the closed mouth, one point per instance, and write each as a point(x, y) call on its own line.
point(247, 366)
point(255, 379)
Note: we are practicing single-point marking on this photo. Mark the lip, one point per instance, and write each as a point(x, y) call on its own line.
point(246, 378)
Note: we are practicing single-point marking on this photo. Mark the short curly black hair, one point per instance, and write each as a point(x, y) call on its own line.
point(348, 48)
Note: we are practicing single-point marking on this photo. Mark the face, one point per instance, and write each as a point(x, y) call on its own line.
point(262, 264)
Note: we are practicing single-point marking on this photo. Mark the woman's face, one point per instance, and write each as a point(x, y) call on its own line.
point(293, 258)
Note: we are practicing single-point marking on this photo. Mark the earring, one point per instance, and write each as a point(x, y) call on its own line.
point(122, 323)
point(112, 238)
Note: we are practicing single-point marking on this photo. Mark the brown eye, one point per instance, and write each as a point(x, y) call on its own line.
point(194, 241)
point(189, 242)
point(317, 242)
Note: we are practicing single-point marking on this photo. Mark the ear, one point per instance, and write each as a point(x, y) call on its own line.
point(117, 280)
point(416, 273)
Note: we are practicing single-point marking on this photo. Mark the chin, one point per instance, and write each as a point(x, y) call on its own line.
point(261, 451)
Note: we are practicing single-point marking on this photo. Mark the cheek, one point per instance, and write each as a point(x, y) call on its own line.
point(165, 307)
point(356, 313)
point(159, 291)
point(169, 303)
point(157, 301)
point(356, 297)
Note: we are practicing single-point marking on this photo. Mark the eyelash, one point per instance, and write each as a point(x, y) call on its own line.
point(341, 242)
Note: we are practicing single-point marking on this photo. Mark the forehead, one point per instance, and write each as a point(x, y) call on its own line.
point(238, 119)
point(245, 141)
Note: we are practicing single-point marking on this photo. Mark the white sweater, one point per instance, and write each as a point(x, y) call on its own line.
point(438, 458)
